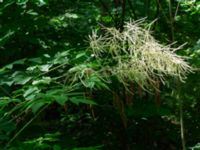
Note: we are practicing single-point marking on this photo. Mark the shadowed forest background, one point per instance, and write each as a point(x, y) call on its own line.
point(99, 74)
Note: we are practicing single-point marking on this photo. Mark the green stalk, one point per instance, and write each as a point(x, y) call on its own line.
point(26, 125)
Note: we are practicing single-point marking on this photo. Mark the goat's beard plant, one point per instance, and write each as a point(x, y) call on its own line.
point(135, 56)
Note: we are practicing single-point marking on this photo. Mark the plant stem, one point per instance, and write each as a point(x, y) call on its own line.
point(26, 125)
point(182, 126)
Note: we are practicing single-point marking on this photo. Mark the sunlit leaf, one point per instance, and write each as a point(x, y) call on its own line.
point(31, 92)
point(45, 67)
point(44, 80)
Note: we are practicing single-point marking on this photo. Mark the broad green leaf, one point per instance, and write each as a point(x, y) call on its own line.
point(78, 100)
point(45, 68)
point(9, 83)
point(37, 60)
point(44, 80)
point(31, 92)
point(18, 62)
point(4, 101)
point(6, 125)
point(32, 68)
point(37, 105)
point(21, 80)
point(61, 99)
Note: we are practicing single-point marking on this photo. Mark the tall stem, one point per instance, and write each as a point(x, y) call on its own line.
point(182, 125)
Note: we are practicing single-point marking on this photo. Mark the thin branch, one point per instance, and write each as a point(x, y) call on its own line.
point(175, 14)
point(26, 125)
point(182, 125)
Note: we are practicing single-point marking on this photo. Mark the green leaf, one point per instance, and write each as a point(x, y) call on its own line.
point(70, 15)
point(78, 100)
point(89, 148)
point(9, 83)
point(41, 2)
point(21, 80)
point(79, 55)
point(37, 105)
point(31, 92)
point(31, 12)
point(61, 99)
point(5, 38)
point(45, 68)
point(3, 137)
point(6, 125)
point(44, 80)
point(4, 101)
point(22, 2)
point(57, 147)
point(37, 60)
point(19, 62)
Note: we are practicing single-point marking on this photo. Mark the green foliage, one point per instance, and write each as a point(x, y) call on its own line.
point(58, 92)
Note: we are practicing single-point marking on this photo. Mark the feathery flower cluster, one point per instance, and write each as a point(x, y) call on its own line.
point(138, 56)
